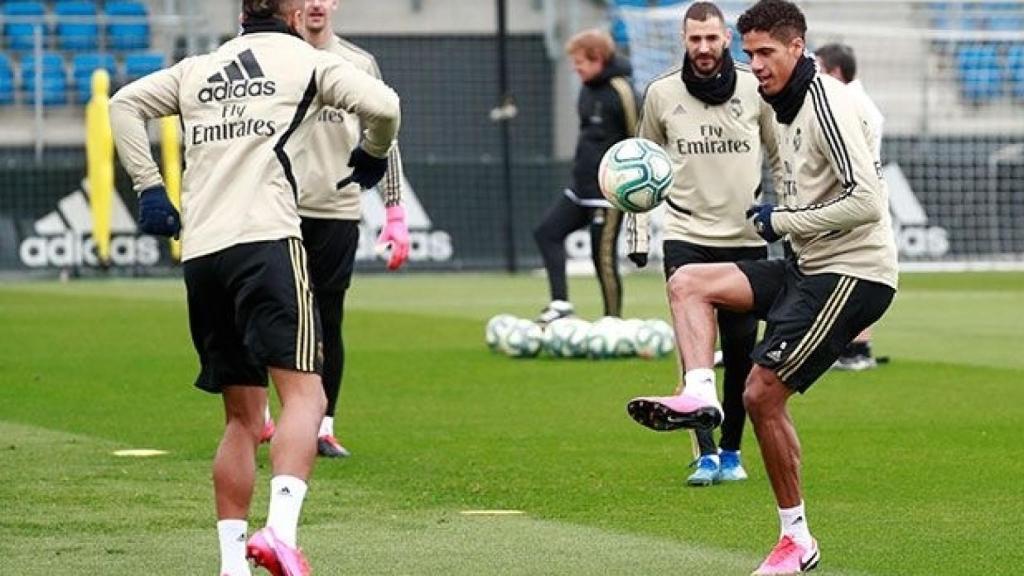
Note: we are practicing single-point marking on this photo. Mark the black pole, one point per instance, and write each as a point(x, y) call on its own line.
point(506, 105)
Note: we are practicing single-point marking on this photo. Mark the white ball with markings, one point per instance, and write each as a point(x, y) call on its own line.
point(496, 330)
point(524, 340)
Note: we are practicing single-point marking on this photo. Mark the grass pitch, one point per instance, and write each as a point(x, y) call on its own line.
point(914, 468)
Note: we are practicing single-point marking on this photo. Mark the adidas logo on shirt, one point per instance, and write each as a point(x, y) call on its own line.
point(240, 79)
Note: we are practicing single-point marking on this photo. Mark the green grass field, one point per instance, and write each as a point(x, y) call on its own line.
point(914, 468)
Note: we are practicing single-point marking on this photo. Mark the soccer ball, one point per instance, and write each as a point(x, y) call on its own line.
point(654, 339)
point(496, 330)
point(566, 338)
point(607, 339)
point(635, 175)
point(523, 340)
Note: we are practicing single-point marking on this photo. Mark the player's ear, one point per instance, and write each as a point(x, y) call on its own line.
point(797, 47)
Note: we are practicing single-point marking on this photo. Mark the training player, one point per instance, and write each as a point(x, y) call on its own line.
point(838, 61)
point(330, 213)
point(841, 279)
point(709, 118)
point(607, 108)
point(250, 305)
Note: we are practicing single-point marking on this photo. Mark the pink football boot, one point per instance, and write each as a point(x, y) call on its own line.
point(664, 413)
point(277, 557)
point(788, 557)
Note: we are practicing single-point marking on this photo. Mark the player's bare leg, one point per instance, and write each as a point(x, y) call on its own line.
point(694, 292)
point(234, 472)
point(292, 455)
point(765, 398)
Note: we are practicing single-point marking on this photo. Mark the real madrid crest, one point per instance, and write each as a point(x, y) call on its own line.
point(736, 107)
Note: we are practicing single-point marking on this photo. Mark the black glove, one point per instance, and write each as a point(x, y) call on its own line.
point(762, 218)
point(367, 170)
point(638, 258)
point(157, 216)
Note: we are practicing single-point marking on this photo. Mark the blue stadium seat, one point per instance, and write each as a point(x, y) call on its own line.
point(76, 25)
point(138, 65)
point(980, 72)
point(1004, 16)
point(6, 81)
point(1015, 70)
point(619, 33)
point(21, 34)
point(82, 67)
point(54, 79)
point(122, 34)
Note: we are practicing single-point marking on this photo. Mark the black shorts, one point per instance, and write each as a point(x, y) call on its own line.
point(331, 245)
point(249, 307)
point(810, 318)
point(678, 253)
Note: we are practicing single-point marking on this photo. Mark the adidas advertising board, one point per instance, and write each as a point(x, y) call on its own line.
point(62, 238)
point(915, 237)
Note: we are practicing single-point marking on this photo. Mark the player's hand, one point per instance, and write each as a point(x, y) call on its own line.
point(396, 236)
point(761, 215)
point(638, 258)
point(367, 169)
point(157, 216)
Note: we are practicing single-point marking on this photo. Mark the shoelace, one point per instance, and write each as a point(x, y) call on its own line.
point(781, 550)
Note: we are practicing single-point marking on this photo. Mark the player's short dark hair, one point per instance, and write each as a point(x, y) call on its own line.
point(701, 11)
point(840, 56)
point(782, 20)
point(262, 9)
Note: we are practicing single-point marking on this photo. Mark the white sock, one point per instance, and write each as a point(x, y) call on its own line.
point(700, 382)
point(327, 426)
point(793, 523)
point(232, 535)
point(286, 496)
point(266, 413)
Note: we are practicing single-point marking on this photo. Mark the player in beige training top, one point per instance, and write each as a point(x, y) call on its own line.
point(250, 306)
point(330, 214)
point(709, 118)
point(833, 206)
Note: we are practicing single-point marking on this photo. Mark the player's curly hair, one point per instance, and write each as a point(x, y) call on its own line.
point(781, 19)
point(262, 9)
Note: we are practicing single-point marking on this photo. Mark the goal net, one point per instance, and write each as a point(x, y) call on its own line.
point(949, 78)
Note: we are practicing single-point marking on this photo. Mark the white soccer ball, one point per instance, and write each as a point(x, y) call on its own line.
point(523, 340)
point(654, 339)
point(607, 339)
point(496, 330)
point(566, 338)
point(635, 175)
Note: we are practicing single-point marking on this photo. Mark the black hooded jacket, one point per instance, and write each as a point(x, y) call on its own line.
point(608, 109)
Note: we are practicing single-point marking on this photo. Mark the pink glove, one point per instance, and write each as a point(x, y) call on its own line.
point(396, 236)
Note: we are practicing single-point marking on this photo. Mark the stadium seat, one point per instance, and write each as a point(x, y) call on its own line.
point(54, 79)
point(76, 25)
point(619, 33)
point(6, 81)
point(1015, 70)
point(1004, 16)
point(21, 33)
point(129, 29)
point(980, 72)
point(82, 67)
point(138, 65)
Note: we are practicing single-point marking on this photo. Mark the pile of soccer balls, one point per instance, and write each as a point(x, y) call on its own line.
point(577, 338)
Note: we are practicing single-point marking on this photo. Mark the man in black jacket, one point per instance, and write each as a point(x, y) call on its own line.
point(608, 113)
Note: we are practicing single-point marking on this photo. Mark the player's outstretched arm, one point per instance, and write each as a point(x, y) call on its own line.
point(344, 86)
